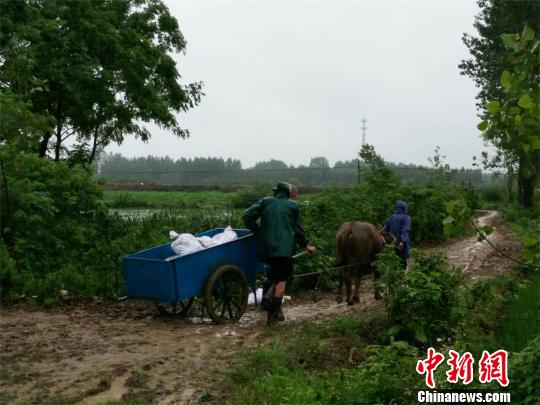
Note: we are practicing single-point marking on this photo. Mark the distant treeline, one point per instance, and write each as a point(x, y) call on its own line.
point(115, 168)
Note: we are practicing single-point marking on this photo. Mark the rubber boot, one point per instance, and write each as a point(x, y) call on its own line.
point(280, 316)
point(273, 311)
point(265, 302)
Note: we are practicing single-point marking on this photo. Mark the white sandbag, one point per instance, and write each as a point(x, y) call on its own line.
point(223, 237)
point(206, 241)
point(226, 236)
point(259, 292)
point(251, 297)
point(185, 244)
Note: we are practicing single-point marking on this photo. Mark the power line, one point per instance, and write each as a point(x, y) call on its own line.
point(104, 171)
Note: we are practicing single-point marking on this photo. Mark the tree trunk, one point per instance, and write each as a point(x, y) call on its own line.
point(94, 147)
point(527, 194)
point(510, 179)
point(8, 230)
point(527, 181)
point(44, 144)
point(58, 142)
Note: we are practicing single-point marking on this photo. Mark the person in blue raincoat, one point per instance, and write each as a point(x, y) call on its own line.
point(399, 225)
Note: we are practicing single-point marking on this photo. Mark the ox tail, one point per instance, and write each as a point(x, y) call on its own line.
point(342, 245)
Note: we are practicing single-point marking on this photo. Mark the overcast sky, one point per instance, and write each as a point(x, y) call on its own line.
point(292, 80)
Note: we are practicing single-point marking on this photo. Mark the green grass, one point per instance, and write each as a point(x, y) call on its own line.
point(188, 200)
point(337, 362)
point(521, 319)
point(167, 199)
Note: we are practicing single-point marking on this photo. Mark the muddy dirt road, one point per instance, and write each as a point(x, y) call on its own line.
point(95, 352)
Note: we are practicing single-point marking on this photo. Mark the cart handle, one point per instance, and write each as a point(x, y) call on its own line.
point(298, 255)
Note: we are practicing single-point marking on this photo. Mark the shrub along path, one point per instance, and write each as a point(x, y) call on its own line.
point(93, 352)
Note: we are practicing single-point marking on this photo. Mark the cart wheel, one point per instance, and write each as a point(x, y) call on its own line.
point(226, 294)
point(177, 308)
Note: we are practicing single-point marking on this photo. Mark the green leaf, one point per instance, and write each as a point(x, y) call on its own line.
point(527, 34)
point(535, 144)
point(508, 40)
point(487, 229)
point(420, 335)
point(493, 106)
point(529, 256)
point(506, 79)
point(448, 220)
point(482, 126)
point(518, 119)
point(529, 241)
point(525, 101)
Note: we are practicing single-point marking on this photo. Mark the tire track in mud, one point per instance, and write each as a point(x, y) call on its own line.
point(95, 352)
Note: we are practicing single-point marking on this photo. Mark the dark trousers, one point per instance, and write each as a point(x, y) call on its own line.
point(281, 269)
point(403, 259)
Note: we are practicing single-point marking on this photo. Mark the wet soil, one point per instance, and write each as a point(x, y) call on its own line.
point(478, 259)
point(94, 352)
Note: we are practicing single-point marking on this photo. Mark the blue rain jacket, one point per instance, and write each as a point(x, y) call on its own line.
point(399, 225)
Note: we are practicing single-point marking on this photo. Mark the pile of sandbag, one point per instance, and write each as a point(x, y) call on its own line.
point(186, 243)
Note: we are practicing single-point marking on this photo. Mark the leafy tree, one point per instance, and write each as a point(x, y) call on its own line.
point(441, 172)
point(271, 164)
point(98, 70)
point(379, 174)
point(489, 56)
point(319, 162)
point(51, 216)
point(513, 119)
point(18, 124)
point(489, 60)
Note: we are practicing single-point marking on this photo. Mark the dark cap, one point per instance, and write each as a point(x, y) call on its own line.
point(283, 186)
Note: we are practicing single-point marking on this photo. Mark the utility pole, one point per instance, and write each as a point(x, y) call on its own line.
point(363, 121)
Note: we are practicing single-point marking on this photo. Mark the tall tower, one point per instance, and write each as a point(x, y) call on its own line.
point(363, 121)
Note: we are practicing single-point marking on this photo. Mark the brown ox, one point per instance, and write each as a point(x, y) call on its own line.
point(357, 245)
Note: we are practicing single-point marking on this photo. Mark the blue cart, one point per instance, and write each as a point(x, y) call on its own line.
point(221, 274)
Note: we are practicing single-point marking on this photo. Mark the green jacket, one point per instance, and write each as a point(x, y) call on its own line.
point(280, 226)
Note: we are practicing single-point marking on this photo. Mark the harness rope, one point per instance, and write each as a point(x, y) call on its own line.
point(330, 270)
point(481, 233)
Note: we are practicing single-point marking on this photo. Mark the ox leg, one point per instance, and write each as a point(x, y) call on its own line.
point(376, 277)
point(356, 297)
point(348, 285)
point(339, 296)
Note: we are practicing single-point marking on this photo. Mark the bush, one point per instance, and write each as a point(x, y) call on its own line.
point(484, 302)
point(8, 274)
point(249, 196)
point(52, 216)
point(524, 374)
point(384, 376)
point(493, 194)
point(422, 303)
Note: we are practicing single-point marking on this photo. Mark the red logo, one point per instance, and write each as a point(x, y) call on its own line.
point(494, 367)
point(461, 368)
point(490, 367)
point(429, 365)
